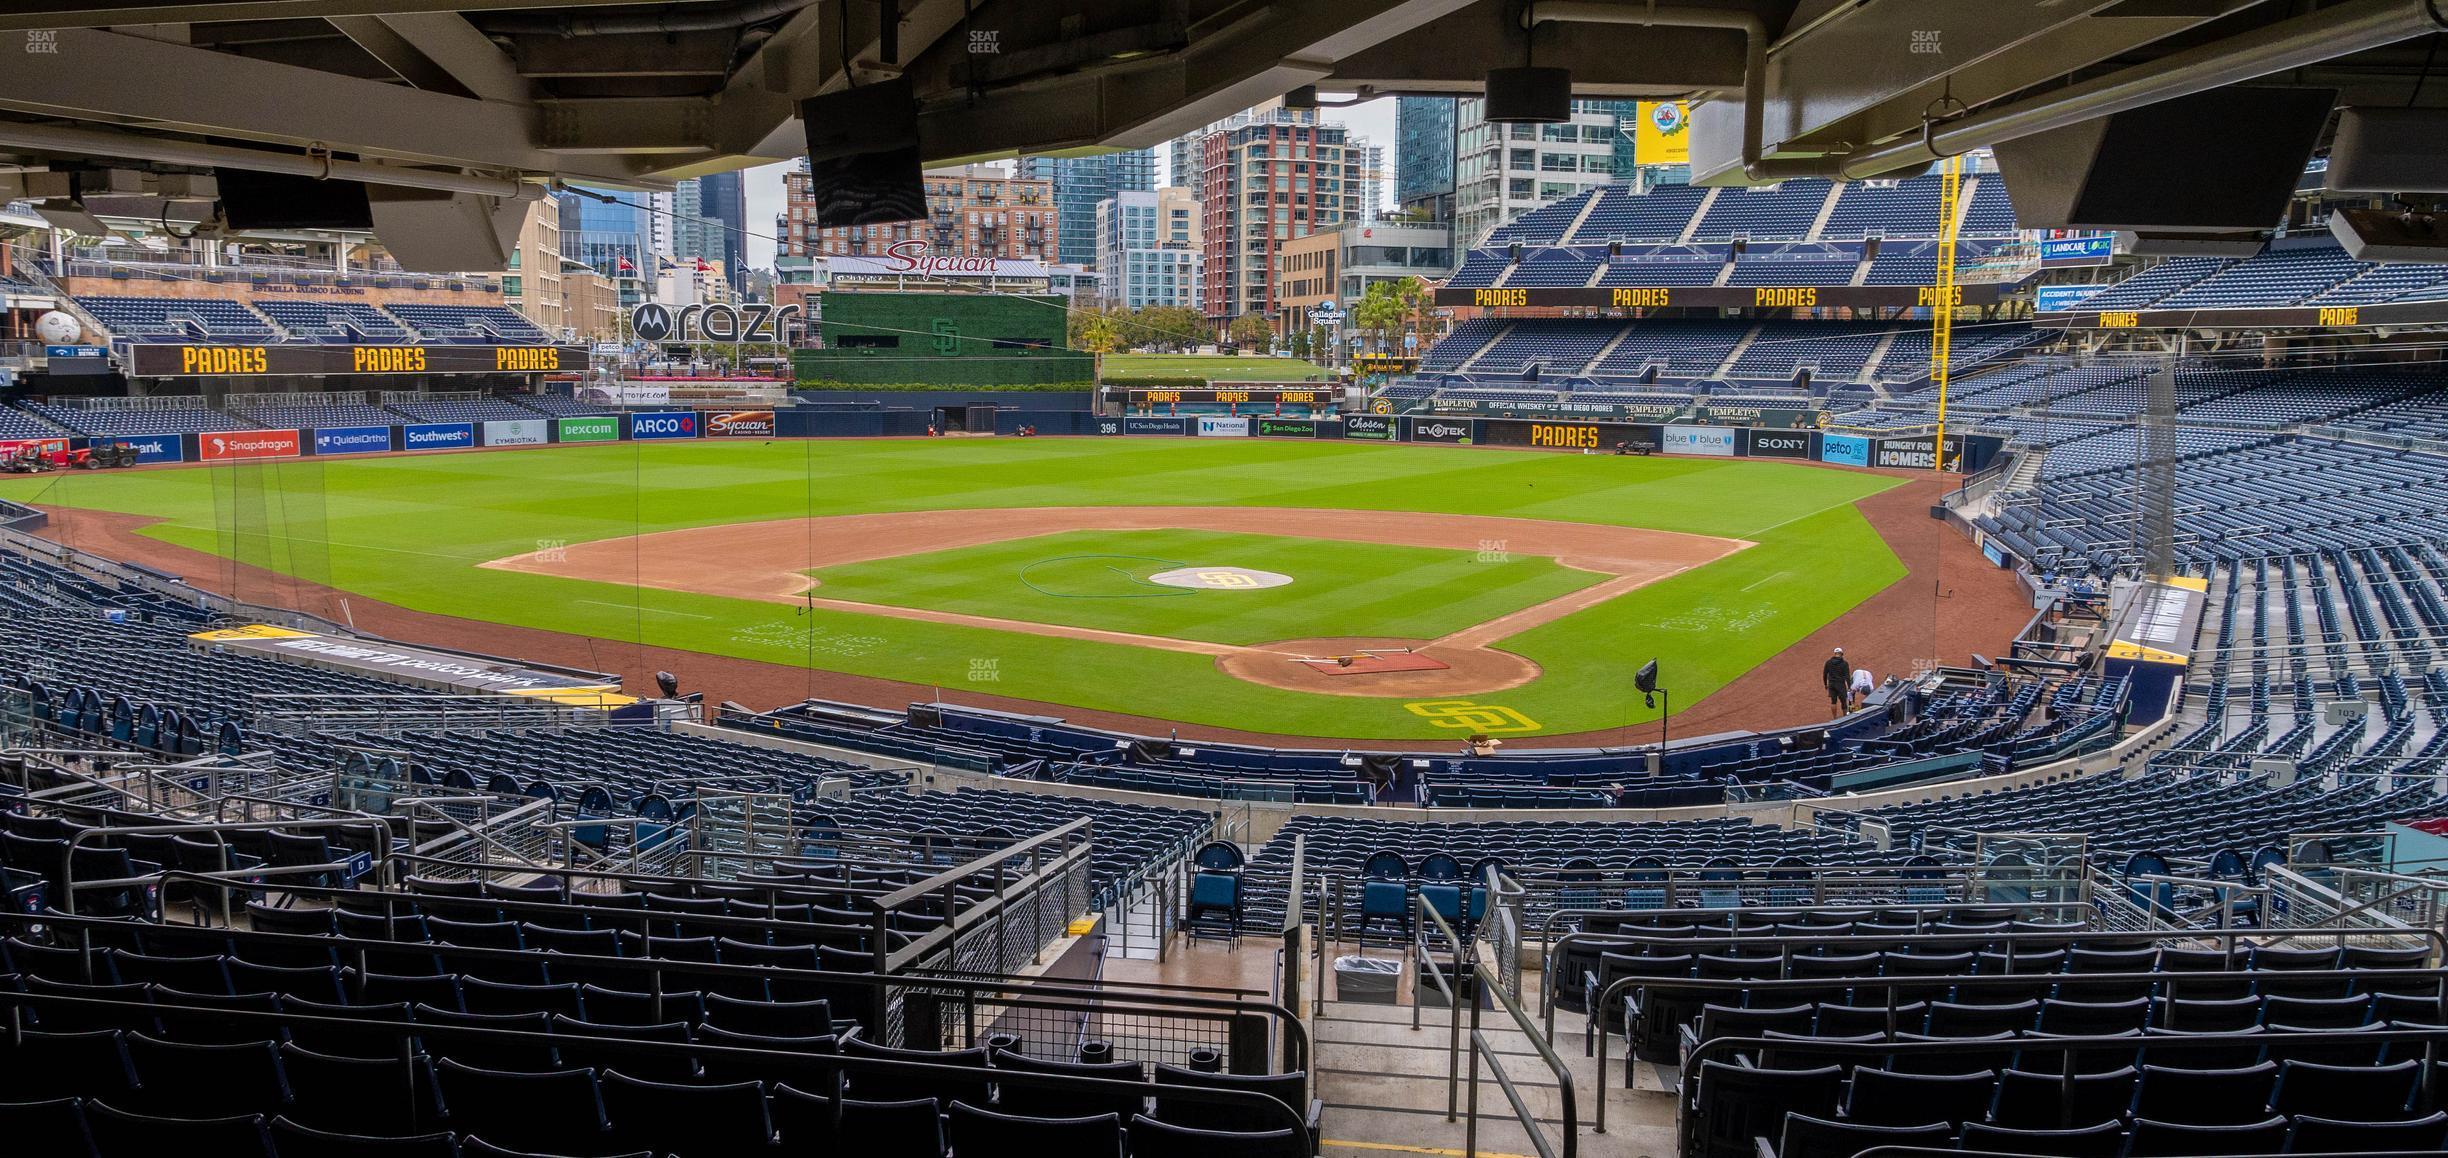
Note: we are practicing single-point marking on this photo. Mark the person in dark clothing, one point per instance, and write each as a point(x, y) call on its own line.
point(1837, 675)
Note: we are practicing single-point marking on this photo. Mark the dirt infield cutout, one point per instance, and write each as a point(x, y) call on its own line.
point(769, 561)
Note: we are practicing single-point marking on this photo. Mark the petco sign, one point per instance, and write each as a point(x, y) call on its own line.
point(222, 445)
point(746, 322)
point(1698, 440)
point(664, 424)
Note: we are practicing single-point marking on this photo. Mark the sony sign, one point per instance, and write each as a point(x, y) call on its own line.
point(745, 322)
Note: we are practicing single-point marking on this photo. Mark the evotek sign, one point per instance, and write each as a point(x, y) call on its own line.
point(1440, 430)
point(745, 322)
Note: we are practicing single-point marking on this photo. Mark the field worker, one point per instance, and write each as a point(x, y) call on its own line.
point(1837, 676)
point(1862, 685)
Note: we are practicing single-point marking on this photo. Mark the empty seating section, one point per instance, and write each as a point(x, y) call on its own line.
point(1466, 339)
point(468, 324)
point(337, 322)
point(556, 404)
point(343, 410)
point(1687, 349)
point(1666, 265)
point(1544, 225)
point(1884, 208)
point(1662, 214)
point(1782, 212)
point(112, 422)
point(15, 423)
point(1558, 347)
point(178, 319)
point(1987, 212)
point(464, 410)
point(1554, 267)
point(2290, 272)
point(1832, 349)
point(1796, 265)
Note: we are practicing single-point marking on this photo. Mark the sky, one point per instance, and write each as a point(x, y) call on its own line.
point(1374, 120)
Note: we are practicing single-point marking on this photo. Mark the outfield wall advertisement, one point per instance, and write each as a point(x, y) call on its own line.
point(1844, 449)
point(518, 432)
point(1777, 443)
point(352, 439)
point(1369, 427)
point(1223, 426)
point(1916, 453)
point(663, 424)
point(1717, 440)
point(739, 424)
point(1174, 426)
point(228, 445)
point(1450, 431)
point(437, 436)
point(1284, 428)
point(151, 447)
point(590, 428)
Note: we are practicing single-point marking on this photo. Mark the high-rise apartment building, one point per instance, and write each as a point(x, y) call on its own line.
point(1424, 156)
point(612, 233)
point(1147, 248)
point(1504, 171)
point(1267, 176)
point(976, 212)
point(710, 220)
point(1080, 185)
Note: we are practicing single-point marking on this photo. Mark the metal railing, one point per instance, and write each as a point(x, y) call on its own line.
point(1477, 982)
point(1037, 886)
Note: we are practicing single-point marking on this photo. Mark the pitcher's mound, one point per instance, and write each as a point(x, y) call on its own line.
point(1390, 668)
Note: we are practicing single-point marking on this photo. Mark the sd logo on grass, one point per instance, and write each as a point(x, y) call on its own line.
point(1465, 716)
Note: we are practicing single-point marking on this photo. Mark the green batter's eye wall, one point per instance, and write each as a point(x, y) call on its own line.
point(946, 339)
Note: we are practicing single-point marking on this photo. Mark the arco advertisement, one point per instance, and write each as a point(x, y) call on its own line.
point(227, 445)
point(590, 428)
point(352, 440)
point(663, 424)
point(438, 436)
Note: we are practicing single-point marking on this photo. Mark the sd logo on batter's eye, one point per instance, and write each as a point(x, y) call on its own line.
point(1465, 716)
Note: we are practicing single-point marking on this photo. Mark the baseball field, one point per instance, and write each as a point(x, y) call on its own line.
point(1306, 589)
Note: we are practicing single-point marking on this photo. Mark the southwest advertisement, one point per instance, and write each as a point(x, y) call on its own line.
point(437, 436)
point(591, 428)
point(352, 440)
point(225, 445)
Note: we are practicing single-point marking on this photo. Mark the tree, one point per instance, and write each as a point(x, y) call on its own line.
point(1252, 333)
point(1388, 309)
point(1173, 327)
point(1300, 343)
point(1101, 334)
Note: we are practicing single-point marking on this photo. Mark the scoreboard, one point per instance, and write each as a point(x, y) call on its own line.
point(249, 361)
point(1313, 396)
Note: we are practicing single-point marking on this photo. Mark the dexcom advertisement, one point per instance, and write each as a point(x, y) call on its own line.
point(663, 424)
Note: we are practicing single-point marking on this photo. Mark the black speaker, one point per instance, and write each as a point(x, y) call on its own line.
point(2218, 161)
point(863, 161)
point(252, 200)
point(1646, 678)
point(1528, 96)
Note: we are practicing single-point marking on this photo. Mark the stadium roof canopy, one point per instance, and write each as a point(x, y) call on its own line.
point(483, 96)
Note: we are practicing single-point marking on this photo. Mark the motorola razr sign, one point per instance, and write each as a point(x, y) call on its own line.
point(745, 322)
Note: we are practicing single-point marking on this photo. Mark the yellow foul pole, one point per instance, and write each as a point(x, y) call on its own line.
point(1942, 308)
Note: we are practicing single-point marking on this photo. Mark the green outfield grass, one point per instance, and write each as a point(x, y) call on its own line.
point(1098, 579)
point(1221, 367)
point(410, 530)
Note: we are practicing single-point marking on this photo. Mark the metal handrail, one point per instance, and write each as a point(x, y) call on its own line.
point(381, 850)
point(1068, 853)
point(1482, 982)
